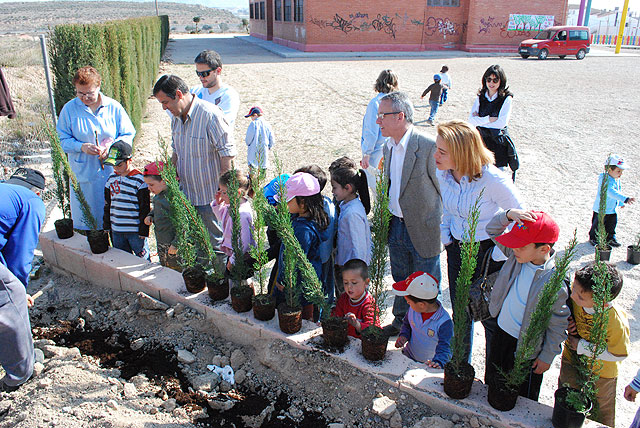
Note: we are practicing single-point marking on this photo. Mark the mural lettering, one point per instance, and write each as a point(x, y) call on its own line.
point(339, 23)
point(444, 27)
point(382, 23)
point(358, 15)
point(487, 24)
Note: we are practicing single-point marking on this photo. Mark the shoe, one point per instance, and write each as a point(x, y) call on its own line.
point(8, 388)
point(430, 122)
point(391, 330)
point(592, 242)
point(615, 244)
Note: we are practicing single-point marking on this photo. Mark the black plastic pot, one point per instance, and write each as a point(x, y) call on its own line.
point(334, 331)
point(500, 396)
point(633, 256)
point(64, 228)
point(264, 307)
point(605, 255)
point(194, 279)
point(563, 416)
point(374, 343)
point(458, 385)
point(289, 319)
point(217, 289)
point(242, 298)
point(98, 241)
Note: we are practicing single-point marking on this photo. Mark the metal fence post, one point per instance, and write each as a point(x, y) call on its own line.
point(45, 58)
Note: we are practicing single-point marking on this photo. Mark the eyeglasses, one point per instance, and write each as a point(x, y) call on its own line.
point(382, 115)
point(494, 80)
point(87, 94)
point(205, 73)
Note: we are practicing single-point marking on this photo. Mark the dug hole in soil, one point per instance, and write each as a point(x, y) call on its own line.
point(111, 360)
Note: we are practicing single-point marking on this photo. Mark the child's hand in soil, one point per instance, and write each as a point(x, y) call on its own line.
point(148, 220)
point(432, 364)
point(400, 341)
point(351, 319)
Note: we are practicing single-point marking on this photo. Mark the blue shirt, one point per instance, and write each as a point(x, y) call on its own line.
point(354, 233)
point(327, 236)
point(372, 141)
point(259, 141)
point(615, 198)
point(22, 214)
point(429, 339)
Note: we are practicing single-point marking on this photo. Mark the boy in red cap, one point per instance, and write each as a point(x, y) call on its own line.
point(427, 328)
point(515, 294)
point(160, 216)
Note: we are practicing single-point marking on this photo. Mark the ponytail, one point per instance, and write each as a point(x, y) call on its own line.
point(358, 181)
point(363, 190)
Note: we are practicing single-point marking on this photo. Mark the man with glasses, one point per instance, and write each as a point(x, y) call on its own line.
point(209, 71)
point(414, 198)
point(202, 144)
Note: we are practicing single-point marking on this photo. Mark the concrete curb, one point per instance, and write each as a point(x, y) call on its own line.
point(121, 271)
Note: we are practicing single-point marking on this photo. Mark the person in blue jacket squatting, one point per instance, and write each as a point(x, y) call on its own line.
point(427, 328)
point(22, 214)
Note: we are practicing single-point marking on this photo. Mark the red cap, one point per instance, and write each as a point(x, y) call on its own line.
point(419, 284)
point(543, 230)
point(153, 168)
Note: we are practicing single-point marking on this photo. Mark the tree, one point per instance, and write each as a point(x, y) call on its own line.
point(197, 19)
point(245, 24)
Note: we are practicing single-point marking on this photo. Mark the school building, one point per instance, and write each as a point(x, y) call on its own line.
point(403, 25)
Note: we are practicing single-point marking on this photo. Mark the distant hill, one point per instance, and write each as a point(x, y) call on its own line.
point(39, 17)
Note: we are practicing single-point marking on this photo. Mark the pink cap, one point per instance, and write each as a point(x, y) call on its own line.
point(301, 184)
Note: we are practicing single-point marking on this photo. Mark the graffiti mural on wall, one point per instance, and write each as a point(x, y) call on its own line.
point(509, 31)
point(441, 26)
point(486, 24)
point(382, 23)
point(518, 22)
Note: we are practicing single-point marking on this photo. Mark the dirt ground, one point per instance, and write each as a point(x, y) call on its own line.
point(568, 115)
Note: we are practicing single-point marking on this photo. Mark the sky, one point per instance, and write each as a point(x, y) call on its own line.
point(610, 4)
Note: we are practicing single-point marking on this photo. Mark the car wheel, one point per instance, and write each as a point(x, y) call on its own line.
point(562, 56)
point(543, 54)
point(581, 54)
point(524, 56)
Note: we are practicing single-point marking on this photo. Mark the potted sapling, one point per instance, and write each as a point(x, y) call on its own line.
point(374, 340)
point(194, 244)
point(603, 249)
point(504, 386)
point(217, 284)
point(633, 252)
point(63, 226)
point(573, 403)
point(458, 373)
point(264, 305)
point(240, 271)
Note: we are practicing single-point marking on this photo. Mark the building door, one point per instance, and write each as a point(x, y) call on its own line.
point(269, 19)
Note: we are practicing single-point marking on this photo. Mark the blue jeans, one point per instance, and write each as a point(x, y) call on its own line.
point(405, 260)
point(434, 109)
point(443, 96)
point(132, 243)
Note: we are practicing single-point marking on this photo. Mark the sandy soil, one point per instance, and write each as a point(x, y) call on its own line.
point(565, 121)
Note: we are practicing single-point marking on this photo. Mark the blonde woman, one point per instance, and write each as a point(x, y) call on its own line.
point(465, 167)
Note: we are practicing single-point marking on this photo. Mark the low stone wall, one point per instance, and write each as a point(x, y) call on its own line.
point(121, 271)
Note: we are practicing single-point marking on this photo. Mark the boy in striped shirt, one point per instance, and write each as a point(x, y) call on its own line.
point(126, 197)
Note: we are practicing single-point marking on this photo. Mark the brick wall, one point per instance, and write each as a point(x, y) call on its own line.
point(378, 25)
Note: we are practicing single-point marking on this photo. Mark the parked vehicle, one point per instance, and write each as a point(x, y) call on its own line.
point(560, 41)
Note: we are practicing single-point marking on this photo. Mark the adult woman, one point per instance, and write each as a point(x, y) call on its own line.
point(87, 126)
point(372, 140)
point(465, 168)
point(491, 112)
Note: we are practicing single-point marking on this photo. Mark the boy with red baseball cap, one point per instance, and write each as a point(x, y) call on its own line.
point(427, 328)
point(530, 264)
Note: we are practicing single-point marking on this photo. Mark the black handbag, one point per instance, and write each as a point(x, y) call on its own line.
point(480, 291)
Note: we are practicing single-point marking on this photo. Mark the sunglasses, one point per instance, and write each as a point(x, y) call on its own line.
point(494, 80)
point(205, 73)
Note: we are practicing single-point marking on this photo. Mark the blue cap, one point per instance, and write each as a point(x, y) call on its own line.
point(436, 77)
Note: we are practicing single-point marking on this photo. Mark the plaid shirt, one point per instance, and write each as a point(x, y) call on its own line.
point(199, 142)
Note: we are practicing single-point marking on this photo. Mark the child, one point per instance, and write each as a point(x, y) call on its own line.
point(305, 200)
point(259, 140)
point(220, 207)
point(427, 328)
point(355, 304)
point(327, 237)
point(515, 294)
point(160, 215)
point(615, 165)
point(630, 393)
point(580, 332)
point(127, 203)
point(354, 234)
point(436, 89)
point(446, 84)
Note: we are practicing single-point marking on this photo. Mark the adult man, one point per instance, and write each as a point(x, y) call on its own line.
point(414, 197)
point(203, 147)
point(209, 70)
point(21, 216)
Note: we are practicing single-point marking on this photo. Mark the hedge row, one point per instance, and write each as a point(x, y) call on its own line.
point(126, 53)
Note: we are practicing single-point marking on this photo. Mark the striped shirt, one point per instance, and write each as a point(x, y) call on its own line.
point(126, 204)
point(199, 142)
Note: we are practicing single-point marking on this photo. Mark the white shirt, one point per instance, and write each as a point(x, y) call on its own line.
point(225, 97)
point(512, 312)
point(503, 116)
point(445, 79)
point(395, 170)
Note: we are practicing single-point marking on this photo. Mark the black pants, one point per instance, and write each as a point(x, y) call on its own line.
point(503, 350)
point(610, 222)
point(453, 270)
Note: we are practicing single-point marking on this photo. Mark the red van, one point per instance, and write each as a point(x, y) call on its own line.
point(561, 41)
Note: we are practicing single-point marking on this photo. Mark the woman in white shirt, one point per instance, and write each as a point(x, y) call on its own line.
point(465, 168)
point(491, 112)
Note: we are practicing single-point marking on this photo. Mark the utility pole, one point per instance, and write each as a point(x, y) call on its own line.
point(623, 19)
